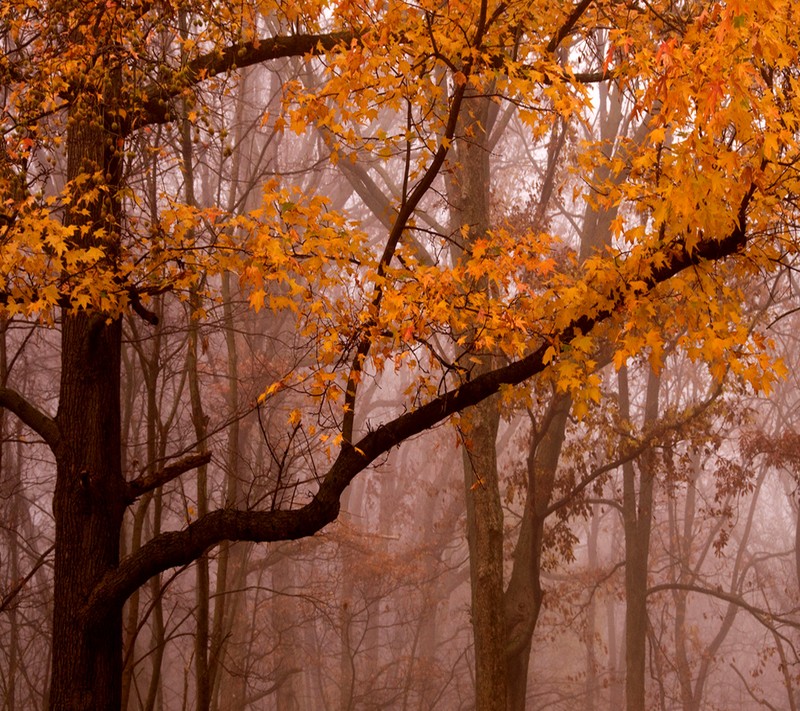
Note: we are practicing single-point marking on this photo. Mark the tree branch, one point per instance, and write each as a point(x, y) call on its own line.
point(42, 424)
point(568, 25)
point(235, 56)
point(147, 482)
point(637, 448)
point(759, 701)
point(181, 547)
point(9, 597)
point(176, 548)
point(404, 214)
point(763, 616)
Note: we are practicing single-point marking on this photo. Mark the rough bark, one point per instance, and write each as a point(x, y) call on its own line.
point(88, 508)
point(89, 498)
point(485, 539)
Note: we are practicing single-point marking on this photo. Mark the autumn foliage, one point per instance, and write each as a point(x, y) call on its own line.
point(100, 219)
point(707, 171)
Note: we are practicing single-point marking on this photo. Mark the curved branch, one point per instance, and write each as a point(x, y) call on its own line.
point(759, 701)
point(763, 616)
point(41, 423)
point(404, 214)
point(569, 24)
point(181, 547)
point(637, 448)
point(235, 56)
point(176, 548)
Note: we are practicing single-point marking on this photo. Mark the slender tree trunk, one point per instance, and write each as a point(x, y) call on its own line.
point(158, 630)
point(347, 662)
point(150, 363)
point(637, 517)
point(683, 558)
point(470, 188)
point(592, 686)
point(693, 678)
point(285, 621)
point(524, 595)
point(9, 483)
point(616, 655)
point(13, 618)
point(199, 420)
point(232, 558)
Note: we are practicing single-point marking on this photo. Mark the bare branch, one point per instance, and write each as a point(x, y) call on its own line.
point(148, 482)
point(637, 448)
point(759, 701)
point(41, 423)
point(765, 617)
point(177, 548)
point(15, 590)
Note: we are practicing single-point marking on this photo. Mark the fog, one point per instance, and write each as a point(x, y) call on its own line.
point(616, 529)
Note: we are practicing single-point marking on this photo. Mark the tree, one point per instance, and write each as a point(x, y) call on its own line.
point(713, 181)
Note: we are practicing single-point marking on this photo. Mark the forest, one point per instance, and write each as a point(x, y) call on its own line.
point(399, 354)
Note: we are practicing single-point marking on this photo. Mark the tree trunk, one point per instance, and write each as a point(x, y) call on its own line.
point(485, 538)
point(524, 595)
point(637, 517)
point(88, 509)
point(89, 498)
point(592, 684)
point(10, 485)
point(469, 189)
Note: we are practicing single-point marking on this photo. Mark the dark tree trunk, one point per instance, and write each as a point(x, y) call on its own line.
point(89, 498)
point(485, 538)
point(88, 509)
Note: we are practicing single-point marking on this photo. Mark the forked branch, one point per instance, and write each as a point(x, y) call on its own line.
point(11, 594)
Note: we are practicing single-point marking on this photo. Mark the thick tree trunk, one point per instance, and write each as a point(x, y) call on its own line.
point(89, 498)
point(470, 188)
point(88, 509)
